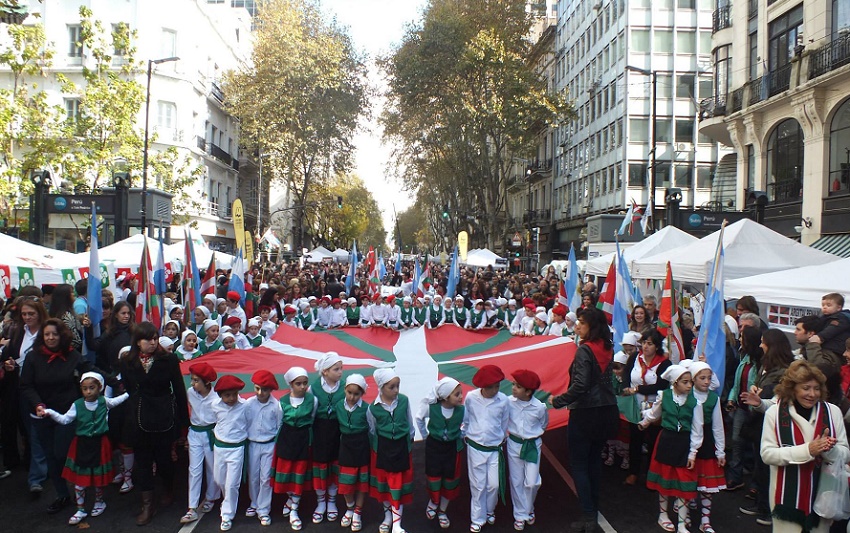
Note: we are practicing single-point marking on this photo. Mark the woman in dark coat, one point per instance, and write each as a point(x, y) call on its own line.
point(158, 412)
point(594, 415)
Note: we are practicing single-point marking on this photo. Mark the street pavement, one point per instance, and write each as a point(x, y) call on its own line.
point(624, 509)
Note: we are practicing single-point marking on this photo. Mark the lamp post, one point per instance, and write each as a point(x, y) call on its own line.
point(144, 211)
point(41, 185)
point(654, 141)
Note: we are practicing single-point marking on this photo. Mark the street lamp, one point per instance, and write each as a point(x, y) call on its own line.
point(654, 75)
point(151, 63)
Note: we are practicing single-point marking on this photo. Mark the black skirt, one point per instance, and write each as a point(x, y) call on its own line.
point(392, 455)
point(440, 458)
point(673, 447)
point(354, 449)
point(706, 451)
point(325, 440)
point(293, 444)
point(88, 451)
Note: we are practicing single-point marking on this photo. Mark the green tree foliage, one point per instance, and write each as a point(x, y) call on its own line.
point(359, 219)
point(301, 97)
point(464, 100)
point(414, 229)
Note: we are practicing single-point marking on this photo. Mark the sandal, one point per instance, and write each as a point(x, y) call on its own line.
point(250, 512)
point(474, 528)
point(443, 518)
point(207, 506)
point(431, 512)
point(333, 512)
point(226, 525)
point(609, 461)
point(346, 518)
point(531, 519)
point(126, 486)
point(706, 528)
point(357, 520)
point(295, 520)
point(265, 520)
point(491, 518)
point(519, 525)
point(665, 523)
point(78, 517)
point(318, 517)
point(287, 508)
point(98, 509)
point(190, 516)
point(384, 527)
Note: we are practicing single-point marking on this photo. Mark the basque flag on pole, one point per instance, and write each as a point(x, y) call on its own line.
point(712, 337)
point(191, 277)
point(147, 300)
point(93, 294)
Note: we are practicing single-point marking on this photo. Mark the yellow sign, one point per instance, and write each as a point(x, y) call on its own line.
point(462, 245)
point(249, 248)
point(239, 225)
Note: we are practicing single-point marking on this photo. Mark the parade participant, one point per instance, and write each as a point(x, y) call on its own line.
point(228, 341)
point(393, 319)
point(292, 447)
point(314, 308)
point(328, 392)
point(339, 318)
point(536, 326)
point(171, 329)
point(477, 317)
point(461, 315)
point(89, 462)
point(188, 348)
point(525, 315)
point(448, 311)
point(353, 450)
point(486, 423)
point(365, 312)
point(627, 405)
point(439, 420)
point(167, 344)
point(211, 342)
point(254, 338)
point(352, 312)
point(306, 319)
point(558, 326)
point(499, 321)
point(379, 311)
point(235, 310)
point(436, 316)
point(491, 315)
point(199, 441)
point(264, 420)
point(230, 437)
point(630, 342)
point(570, 320)
point(510, 313)
point(323, 313)
point(671, 472)
point(177, 313)
point(420, 313)
point(221, 308)
point(290, 316)
point(528, 418)
point(199, 315)
point(391, 426)
point(406, 313)
point(267, 326)
point(236, 328)
point(211, 303)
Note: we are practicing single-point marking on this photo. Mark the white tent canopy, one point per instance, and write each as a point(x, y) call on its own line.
point(128, 254)
point(750, 249)
point(318, 255)
point(666, 239)
point(483, 258)
point(340, 255)
point(202, 255)
point(801, 287)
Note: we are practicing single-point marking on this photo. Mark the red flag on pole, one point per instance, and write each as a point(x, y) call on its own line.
point(147, 299)
point(668, 320)
point(208, 283)
point(607, 298)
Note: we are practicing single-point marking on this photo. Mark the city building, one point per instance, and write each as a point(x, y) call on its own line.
point(782, 104)
point(629, 65)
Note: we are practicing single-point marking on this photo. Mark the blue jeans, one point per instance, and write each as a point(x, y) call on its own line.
point(586, 467)
point(735, 466)
point(38, 460)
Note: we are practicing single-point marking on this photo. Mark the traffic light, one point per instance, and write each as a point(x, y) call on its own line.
point(517, 254)
point(446, 211)
point(339, 202)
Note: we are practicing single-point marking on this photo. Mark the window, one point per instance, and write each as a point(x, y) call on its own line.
point(840, 17)
point(664, 135)
point(120, 39)
point(754, 55)
point(72, 109)
point(662, 42)
point(168, 44)
point(665, 85)
point(704, 177)
point(705, 42)
point(782, 38)
point(638, 130)
point(166, 116)
point(686, 42)
point(662, 175)
point(637, 174)
point(706, 87)
point(839, 151)
point(683, 174)
point(722, 70)
point(640, 40)
point(686, 4)
point(685, 86)
point(684, 131)
point(75, 46)
point(785, 162)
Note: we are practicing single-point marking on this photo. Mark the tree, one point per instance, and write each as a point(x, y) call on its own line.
point(464, 101)
point(301, 97)
point(414, 229)
point(359, 218)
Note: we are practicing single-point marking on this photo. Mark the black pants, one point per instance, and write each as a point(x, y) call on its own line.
point(55, 440)
point(10, 419)
point(636, 440)
point(149, 449)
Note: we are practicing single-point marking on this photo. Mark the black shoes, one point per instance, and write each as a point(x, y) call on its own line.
point(58, 504)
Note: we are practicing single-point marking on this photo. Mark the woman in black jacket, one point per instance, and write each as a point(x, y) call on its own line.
point(158, 412)
point(593, 411)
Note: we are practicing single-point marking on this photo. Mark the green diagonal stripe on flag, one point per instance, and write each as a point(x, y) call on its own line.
point(380, 353)
point(500, 338)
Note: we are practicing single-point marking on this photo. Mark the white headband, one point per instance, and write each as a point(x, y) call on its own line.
point(328, 360)
point(441, 390)
point(383, 376)
point(356, 379)
point(294, 373)
point(93, 375)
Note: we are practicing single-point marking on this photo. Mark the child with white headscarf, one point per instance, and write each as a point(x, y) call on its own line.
point(328, 392)
point(354, 450)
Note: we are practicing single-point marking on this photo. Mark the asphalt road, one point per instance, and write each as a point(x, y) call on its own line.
point(625, 509)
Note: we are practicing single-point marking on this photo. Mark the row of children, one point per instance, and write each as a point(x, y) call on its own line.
point(210, 337)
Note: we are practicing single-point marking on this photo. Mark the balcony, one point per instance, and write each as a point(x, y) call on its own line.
point(757, 89)
point(537, 216)
point(201, 143)
point(721, 18)
point(779, 80)
point(216, 92)
point(785, 191)
point(218, 153)
point(712, 107)
point(830, 57)
point(737, 100)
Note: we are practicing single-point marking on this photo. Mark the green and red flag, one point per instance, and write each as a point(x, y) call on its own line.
point(147, 299)
point(608, 295)
point(668, 319)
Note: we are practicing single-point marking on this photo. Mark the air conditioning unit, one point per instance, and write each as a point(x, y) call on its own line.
point(683, 147)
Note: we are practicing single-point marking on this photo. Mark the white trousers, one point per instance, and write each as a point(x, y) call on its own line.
point(260, 456)
point(228, 475)
point(483, 483)
point(525, 481)
point(200, 461)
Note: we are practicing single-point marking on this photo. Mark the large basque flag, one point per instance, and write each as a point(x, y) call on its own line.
point(352, 269)
point(93, 294)
point(191, 277)
point(237, 277)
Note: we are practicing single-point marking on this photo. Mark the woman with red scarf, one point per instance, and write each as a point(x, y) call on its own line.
point(800, 433)
point(644, 370)
point(50, 378)
point(594, 415)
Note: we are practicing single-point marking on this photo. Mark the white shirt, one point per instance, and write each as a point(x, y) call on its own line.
point(389, 407)
point(264, 419)
point(651, 378)
point(202, 407)
point(654, 413)
point(379, 313)
point(424, 414)
point(516, 325)
point(716, 424)
point(435, 310)
point(240, 313)
point(268, 328)
point(71, 415)
point(338, 318)
point(527, 420)
point(393, 315)
point(365, 315)
point(242, 342)
point(26, 345)
point(231, 422)
point(407, 288)
point(556, 329)
point(485, 420)
point(324, 316)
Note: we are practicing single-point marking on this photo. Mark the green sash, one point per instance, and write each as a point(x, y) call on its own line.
point(528, 452)
point(497, 449)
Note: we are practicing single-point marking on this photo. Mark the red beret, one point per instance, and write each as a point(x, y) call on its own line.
point(376, 297)
point(335, 301)
point(265, 379)
point(265, 308)
point(526, 379)
point(487, 375)
point(526, 302)
point(391, 298)
point(229, 382)
point(326, 298)
point(288, 310)
point(233, 321)
point(232, 295)
point(559, 310)
point(204, 371)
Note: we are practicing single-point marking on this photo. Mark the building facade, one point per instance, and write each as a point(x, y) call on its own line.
point(782, 104)
point(627, 66)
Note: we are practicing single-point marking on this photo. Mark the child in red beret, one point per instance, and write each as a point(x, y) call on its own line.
point(200, 439)
point(265, 417)
point(231, 436)
point(486, 421)
point(527, 420)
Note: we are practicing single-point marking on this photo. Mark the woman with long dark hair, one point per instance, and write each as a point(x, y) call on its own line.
point(593, 411)
point(62, 307)
point(158, 412)
point(745, 377)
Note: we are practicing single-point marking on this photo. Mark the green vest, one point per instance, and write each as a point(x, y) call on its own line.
point(256, 341)
point(351, 422)
point(420, 315)
point(445, 429)
point(708, 407)
point(436, 315)
point(407, 316)
point(305, 320)
point(449, 313)
point(91, 423)
point(393, 426)
point(460, 315)
point(509, 317)
point(202, 346)
point(327, 400)
point(353, 314)
point(299, 417)
point(538, 330)
point(475, 318)
point(674, 417)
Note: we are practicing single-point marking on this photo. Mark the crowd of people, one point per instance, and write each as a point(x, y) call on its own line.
point(93, 408)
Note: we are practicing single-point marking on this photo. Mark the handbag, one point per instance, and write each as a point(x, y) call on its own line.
point(833, 498)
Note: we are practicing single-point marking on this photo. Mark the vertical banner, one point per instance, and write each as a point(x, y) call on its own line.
point(69, 276)
point(239, 225)
point(249, 248)
point(5, 281)
point(26, 277)
point(463, 245)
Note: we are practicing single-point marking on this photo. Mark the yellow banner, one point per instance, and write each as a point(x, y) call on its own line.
point(249, 248)
point(239, 225)
point(462, 245)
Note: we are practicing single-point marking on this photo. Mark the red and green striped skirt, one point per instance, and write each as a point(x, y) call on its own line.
point(99, 475)
point(675, 481)
point(447, 488)
point(710, 475)
point(393, 487)
point(353, 479)
point(324, 475)
point(291, 476)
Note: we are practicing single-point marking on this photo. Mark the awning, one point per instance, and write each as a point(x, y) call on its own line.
point(834, 244)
